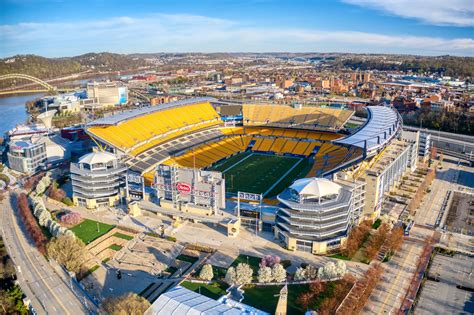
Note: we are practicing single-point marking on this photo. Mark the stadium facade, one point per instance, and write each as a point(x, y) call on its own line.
point(98, 180)
point(189, 189)
point(317, 214)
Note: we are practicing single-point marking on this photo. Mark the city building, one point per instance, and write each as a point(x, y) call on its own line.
point(318, 214)
point(98, 180)
point(26, 157)
point(108, 93)
point(63, 102)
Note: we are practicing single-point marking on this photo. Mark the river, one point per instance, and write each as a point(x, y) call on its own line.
point(13, 111)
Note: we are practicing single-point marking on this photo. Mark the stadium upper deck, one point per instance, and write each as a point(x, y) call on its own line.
point(138, 130)
point(305, 117)
point(190, 132)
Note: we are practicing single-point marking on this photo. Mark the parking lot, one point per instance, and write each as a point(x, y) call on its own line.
point(441, 293)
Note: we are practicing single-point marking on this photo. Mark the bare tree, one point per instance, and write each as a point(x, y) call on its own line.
point(67, 251)
point(129, 303)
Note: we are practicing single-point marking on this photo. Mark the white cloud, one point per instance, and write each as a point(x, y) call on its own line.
point(185, 33)
point(437, 12)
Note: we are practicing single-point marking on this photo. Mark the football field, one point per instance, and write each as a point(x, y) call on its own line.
point(260, 173)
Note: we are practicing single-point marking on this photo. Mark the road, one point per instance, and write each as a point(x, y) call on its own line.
point(49, 293)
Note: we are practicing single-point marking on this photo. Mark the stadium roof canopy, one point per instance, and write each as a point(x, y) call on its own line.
point(382, 125)
point(183, 301)
point(315, 187)
point(116, 119)
point(97, 157)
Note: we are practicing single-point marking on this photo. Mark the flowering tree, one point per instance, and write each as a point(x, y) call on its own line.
point(300, 274)
point(311, 272)
point(45, 219)
point(308, 273)
point(29, 221)
point(230, 276)
point(243, 274)
point(43, 184)
point(340, 268)
point(265, 274)
point(71, 218)
point(332, 270)
point(269, 261)
point(206, 272)
point(278, 273)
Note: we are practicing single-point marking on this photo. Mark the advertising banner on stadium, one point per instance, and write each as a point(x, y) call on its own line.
point(249, 196)
point(183, 188)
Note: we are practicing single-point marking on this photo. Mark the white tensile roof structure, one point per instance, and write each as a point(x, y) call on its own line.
point(97, 157)
point(315, 187)
point(181, 301)
point(382, 125)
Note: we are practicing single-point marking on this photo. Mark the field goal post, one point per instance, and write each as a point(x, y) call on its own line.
point(252, 197)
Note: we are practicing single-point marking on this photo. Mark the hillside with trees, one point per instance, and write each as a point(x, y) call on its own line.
point(446, 65)
point(48, 68)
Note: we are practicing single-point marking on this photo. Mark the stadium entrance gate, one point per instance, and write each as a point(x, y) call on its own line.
point(250, 216)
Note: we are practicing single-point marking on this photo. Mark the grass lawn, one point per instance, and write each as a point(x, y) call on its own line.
point(299, 171)
point(115, 247)
point(265, 298)
point(123, 236)
point(223, 165)
point(376, 224)
point(258, 173)
point(87, 230)
point(214, 290)
point(251, 260)
point(187, 258)
point(171, 270)
point(340, 256)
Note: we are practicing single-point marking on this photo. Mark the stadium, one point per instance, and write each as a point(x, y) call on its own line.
point(259, 149)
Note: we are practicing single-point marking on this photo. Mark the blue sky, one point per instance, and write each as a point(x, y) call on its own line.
point(67, 28)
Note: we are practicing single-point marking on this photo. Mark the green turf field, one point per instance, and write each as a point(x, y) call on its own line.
point(256, 173)
point(89, 230)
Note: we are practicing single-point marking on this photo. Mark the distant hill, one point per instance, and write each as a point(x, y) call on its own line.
point(446, 65)
point(48, 68)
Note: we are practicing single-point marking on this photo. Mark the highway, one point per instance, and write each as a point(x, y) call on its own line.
point(48, 292)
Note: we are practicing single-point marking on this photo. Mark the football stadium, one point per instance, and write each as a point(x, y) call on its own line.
point(318, 177)
point(275, 145)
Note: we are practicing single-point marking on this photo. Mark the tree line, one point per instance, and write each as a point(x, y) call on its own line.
point(48, 68)
point(446, 65)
